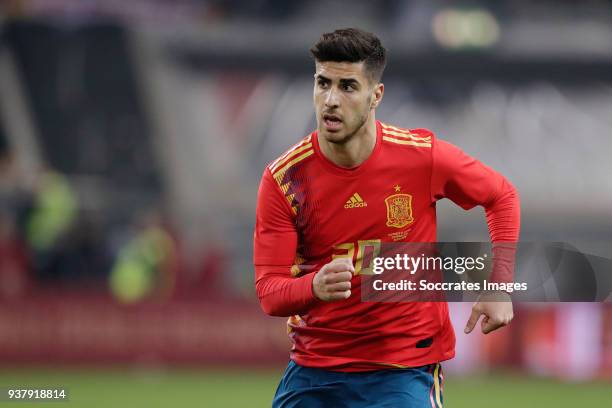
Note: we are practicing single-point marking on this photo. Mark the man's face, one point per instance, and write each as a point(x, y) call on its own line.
point(343, 97)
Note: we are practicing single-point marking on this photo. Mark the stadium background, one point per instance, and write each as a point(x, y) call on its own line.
point(132, 138)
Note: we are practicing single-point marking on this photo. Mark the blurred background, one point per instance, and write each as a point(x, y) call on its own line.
point(132, 138)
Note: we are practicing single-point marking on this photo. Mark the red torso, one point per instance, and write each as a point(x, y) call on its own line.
point(310, 211)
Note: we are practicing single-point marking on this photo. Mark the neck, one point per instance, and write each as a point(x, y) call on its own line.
point(355, 150)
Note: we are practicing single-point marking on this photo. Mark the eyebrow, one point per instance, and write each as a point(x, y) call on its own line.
point(343, 81)
point(349, 81)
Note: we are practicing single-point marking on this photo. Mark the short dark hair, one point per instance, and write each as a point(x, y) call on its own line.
point(352, 45)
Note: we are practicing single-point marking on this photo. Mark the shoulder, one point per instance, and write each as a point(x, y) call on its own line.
point(292, 156)
point(417, 138)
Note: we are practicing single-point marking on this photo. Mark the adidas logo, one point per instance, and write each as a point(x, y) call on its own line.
point(355, 202)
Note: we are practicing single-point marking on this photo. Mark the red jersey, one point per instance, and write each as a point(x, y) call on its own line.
point(310, 210)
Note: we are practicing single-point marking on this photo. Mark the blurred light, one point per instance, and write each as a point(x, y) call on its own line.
point(465, 28)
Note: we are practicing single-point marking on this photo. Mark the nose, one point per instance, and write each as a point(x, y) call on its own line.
point(331, 99)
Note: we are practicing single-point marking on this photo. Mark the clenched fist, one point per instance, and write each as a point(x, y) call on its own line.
point(333, 281)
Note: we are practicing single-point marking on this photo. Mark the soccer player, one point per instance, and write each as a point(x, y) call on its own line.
point(354, 181)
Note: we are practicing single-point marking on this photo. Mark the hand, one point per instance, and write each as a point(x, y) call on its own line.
point(497, 309)
point(333, 281)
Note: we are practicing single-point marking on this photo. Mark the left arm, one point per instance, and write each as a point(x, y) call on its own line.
point(468, 183)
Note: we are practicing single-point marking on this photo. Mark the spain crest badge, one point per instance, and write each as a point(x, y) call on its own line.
point(399, 210)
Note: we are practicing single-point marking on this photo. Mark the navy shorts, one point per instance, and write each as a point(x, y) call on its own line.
point(314, 387)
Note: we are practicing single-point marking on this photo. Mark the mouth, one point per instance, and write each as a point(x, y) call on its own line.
point(332, 122)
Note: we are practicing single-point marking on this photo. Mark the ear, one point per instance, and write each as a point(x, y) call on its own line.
point(377, 95)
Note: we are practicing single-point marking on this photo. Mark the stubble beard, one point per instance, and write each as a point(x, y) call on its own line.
point(344, 140)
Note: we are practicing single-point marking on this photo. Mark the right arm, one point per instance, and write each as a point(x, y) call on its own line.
point(274, 249)
point(275, 245)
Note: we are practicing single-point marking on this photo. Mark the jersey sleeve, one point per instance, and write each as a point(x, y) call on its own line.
point(468, 183)
point(274, 250)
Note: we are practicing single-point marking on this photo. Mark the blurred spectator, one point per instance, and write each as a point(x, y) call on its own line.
point(53, 212)
point(145, 265)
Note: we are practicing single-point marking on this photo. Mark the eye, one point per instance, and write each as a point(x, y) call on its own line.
point(348, 87)
point(322, 83)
